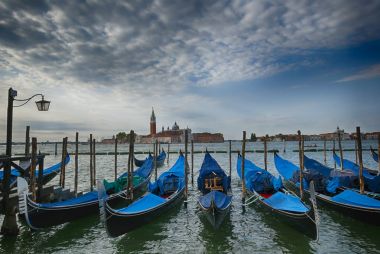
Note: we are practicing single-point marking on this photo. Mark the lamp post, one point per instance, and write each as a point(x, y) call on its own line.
point(9, 226)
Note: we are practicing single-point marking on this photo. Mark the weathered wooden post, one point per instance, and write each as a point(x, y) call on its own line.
point(334, 152)
point(243, 167)
point(361, 179)
point(63, 164)
point(168, 153)
point(40, 178)
point(300, 141)
point(265, 153)
point(32, 173)
point(115, 159)
point(230, 158)
point(284, 145)
point(27, 141)
point(76, 164)
point(186, 169)
point(155, 154)
point(192, 163)
point(91, 171)
point(130, 168)
point(340, 148)
point(94, 162)
point(324, 151)
point(56, 148)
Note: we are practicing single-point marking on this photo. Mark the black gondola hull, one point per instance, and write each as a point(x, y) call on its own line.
point(118, 224)
point(215, 216)
point(302, 222)
point(41, 217)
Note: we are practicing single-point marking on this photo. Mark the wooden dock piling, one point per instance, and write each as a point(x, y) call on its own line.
point(186, 164)
point(155, 155)
point(243, 167)
point(361, 179)
point(56, 148)
point(63, 164)
point(265, 153)
point(300, 142)
point(94, 162)
point(168, 153)
point(27, 141)
point(340, 148)
point(130, 168)
point(76, 164)
point(324, 151)
point(91, 171)
point(192, 163)
point(356, 150)
point(334, 152)
point(32, 174)
point(230, 158)
point(115, 159)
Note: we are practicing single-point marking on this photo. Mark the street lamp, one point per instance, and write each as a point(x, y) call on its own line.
point(9, 224)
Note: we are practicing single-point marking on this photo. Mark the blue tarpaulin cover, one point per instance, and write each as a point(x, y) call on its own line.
point(220, 199)
point(372, 181)
point(350, 197)
point(282, 201)
point(257, 178)
point(284, 167)
point(211, 167)
point(172, 179)
point(88, 197)
point(315, 165)
point(146, 202)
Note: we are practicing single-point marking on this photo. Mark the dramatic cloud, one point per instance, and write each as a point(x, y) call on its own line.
point(371, 72)
point(141, 52)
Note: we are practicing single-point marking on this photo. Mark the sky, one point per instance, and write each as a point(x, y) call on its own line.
point(219, 66)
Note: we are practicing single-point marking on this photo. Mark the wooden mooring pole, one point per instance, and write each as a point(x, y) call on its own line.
point(230, 158)
point(192, 163)
point(94, 162)
point(32, 173)
point(63, 164)
point(40, 178)
point(27, 141)
point(168, 153)
point(243, 167)
point(334, 152)
point(76, 164)
point(186, 164)
point(265, 153)
point(284, 145)
point(356, 151)
point(361, 179)
point(130, 164)
point(91, 171)
point(115, 159)
point(56, 148)
point(340, 148)
point(300, 146)
point(155, 154)
point(324, 151)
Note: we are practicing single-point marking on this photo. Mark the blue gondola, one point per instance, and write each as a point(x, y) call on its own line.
point(347, 201)
point(371, 177)
point(41, 215)
point(160, 160)
point(273, 196)
point(47, 174)
point(215, 187)
point(165, 193)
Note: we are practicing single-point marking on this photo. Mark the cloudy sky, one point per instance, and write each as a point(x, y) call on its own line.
point(220, 66)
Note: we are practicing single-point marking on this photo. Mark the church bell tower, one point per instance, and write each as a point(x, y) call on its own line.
point(152, 123)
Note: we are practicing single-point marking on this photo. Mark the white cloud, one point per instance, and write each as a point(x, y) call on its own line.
point(369, 73)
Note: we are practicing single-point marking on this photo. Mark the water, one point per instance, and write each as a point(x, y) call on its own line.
point(185, 229)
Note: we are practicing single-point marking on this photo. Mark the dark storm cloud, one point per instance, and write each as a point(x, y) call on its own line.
point(142, 44)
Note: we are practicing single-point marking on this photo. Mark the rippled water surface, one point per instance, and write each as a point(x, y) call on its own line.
point(185, 229)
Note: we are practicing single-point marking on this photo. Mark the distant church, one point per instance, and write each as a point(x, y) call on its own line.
point(173, 135)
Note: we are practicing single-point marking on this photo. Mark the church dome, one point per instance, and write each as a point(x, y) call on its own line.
point(175, 127)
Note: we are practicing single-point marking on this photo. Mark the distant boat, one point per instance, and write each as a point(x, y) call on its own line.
point(160, 160)
point(164, 194)
point(348, 202)
point(375, 156)
point(47, 174)
point(275, 198)
point(215, 187)
point(41, 215)
point(371, 177)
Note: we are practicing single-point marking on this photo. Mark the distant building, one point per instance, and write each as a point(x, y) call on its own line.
point(108, 140)
point(207, 137)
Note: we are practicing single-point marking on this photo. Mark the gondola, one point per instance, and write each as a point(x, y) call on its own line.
point(164, 194)
point(371, 177)
point(160, 160)
point(346, 201)
point(47, 174)
point(272, 196)
point(215, 187)
point(375, 156)
point(41, 215)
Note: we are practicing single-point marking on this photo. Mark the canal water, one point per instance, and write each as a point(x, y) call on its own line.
point(185, 230)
